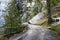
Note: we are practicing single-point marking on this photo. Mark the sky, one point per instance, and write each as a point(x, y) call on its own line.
point(3, 5)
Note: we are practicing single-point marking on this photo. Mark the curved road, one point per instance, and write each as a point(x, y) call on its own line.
point(36, 32)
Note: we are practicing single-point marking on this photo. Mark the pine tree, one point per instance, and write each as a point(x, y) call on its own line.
point(13, 19)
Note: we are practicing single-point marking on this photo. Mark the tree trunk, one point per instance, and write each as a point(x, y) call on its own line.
point(49, 12)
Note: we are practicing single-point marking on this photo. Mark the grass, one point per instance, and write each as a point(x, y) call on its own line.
point(2, 37)
point(55, 29)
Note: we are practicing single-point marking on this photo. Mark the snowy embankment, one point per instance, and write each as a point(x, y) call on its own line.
point(38, 17)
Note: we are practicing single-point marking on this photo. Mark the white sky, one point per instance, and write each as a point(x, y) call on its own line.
point(3, 5)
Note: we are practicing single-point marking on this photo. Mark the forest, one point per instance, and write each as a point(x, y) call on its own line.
point(30, 20)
